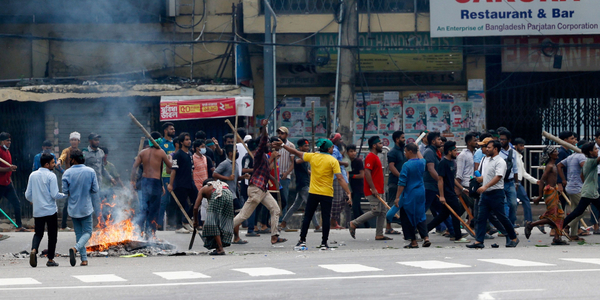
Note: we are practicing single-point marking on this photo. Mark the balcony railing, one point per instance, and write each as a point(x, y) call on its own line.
point(364, 6)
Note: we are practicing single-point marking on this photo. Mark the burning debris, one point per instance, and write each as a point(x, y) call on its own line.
point(117, 233)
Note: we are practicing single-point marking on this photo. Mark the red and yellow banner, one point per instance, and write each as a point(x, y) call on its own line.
point(197, 109)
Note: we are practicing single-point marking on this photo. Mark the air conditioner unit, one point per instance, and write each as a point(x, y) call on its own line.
point(172, 8)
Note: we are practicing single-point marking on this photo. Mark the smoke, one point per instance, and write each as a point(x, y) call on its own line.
point(93, 19)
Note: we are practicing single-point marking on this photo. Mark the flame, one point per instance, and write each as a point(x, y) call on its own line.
point(111, 232)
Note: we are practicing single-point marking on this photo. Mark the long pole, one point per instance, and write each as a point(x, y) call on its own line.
point(460, 219)
point(233, 160)
point(312, 125)
point(337, 80)
point(146, 133)
point(238, 136)
point(386, 205)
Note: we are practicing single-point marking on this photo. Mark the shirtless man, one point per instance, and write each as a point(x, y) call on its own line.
point(151, 160)
point(554, 215)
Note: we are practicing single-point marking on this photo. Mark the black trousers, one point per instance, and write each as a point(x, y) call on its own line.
point(8, 192)
point(40, 224)
point(409, 230)
point(311, 206)
point(182, 195)
point(444, 213)
point(580, 209)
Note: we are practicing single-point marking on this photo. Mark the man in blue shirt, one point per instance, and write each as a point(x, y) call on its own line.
point(166, 143)
point(42, 192)
point(46, 148)
point(80, 183)
point(338, 195)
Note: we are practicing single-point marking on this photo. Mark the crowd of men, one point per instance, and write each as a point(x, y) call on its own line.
point(183, 179)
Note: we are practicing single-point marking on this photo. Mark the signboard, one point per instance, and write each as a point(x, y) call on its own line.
point(582, 56)
point(414, 53)
point(461, 18)
point(174, 110)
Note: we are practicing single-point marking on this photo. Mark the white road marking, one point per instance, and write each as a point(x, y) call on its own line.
point(595, 261)
point(235, 283)
point(181, 275)
point(488, 295)
point(18, 281)
point(432, 264)
point(517, 262)
point(349, 268)
point(264, 271)
point(99, 278)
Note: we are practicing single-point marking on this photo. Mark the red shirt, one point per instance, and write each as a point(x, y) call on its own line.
point(271, 185)
point(373, 163)
point(5, 177)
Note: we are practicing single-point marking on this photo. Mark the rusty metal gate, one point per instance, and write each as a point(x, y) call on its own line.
point(526, 103)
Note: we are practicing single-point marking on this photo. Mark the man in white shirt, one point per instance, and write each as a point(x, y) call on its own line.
point(521, 193)
point(492, 197)
point(465, 166)
point(42, 191)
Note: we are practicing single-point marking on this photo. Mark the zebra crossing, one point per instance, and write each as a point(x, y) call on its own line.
point(401, 267)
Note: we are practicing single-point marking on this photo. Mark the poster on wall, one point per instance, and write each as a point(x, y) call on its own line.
point(415, 118)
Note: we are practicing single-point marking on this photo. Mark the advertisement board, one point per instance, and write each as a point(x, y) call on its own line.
point(462, 18)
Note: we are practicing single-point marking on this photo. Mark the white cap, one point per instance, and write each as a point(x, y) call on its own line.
point(247, 138)
point(75, 135)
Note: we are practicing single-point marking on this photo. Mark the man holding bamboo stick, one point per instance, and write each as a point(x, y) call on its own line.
point(447, 182)
point(7, 189)
point(373, 188)
point(257, 189)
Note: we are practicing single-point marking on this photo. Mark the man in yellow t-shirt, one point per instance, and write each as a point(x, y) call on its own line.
point(323, 168)
point(65, 157)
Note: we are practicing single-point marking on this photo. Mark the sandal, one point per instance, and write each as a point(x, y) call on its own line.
point(584, 233)
point(279, 240)
point(559, 243)
point(410, 246)
point(215, 252)
point(264, 231)
point(528, 229)
point(392, 231)
point(338, 227)
point(84, 263)
point(240, 242)
point(252, 234)
point(384, 238)
point(576, 238)
point(426, 244)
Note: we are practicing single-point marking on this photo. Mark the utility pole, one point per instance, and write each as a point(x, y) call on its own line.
point(347, 78)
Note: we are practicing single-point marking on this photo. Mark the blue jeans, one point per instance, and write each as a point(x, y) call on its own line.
point(149, 205)
point(510, 194)
point(301, 197)
point(83, 232)
point(285, 193)
point(164, 200)
point(522, 194)
point(493, 202)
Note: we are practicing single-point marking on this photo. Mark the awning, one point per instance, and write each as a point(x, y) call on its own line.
point(174, 108)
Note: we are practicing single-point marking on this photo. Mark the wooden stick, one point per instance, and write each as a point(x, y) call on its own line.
point(312, 124)
point(467, 209)
point(386, 205)
point(146, 133)
point(141, 147)
point(5, 162)
point(566, 198)
point(238, 136)
point(460, 219)
point(182, 209)
point(560, 142)
point(233, 160)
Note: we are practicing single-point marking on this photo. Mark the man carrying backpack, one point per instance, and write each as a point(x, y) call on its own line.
point(511, 178)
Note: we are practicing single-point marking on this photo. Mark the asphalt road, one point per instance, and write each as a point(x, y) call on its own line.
point(362, 269)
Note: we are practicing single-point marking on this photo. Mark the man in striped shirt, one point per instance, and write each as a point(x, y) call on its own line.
point(286, 166)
